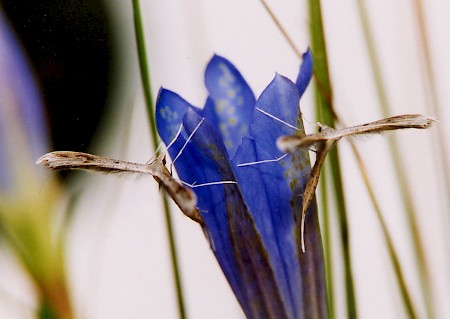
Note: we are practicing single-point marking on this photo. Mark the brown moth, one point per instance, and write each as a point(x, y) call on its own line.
point(183, 196)
point(328, 137)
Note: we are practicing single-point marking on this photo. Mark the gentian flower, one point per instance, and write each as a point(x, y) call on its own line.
point(252, 216)
point(28, 194)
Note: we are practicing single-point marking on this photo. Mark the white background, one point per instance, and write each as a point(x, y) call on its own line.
point(119, 262)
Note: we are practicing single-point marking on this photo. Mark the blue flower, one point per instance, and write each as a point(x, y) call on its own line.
point(23, 134)
point(30, 224)
point(252, 223)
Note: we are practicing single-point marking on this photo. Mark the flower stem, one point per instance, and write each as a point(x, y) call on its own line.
point(326, 234)
point(326, 115)
point(145, 78)
point(144, 71)
point(411, 213)
point(433, 104)
point(401, 281)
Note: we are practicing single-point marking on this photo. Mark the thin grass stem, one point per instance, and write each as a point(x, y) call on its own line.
point(146, 85)
point(326, 115)
point(433, 103)
point(401, 281)
point(411, 213)
point(282, 30)
point(327, 239)
point(406, 297)
point(325, 107)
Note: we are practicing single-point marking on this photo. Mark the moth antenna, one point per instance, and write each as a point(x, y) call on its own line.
point(194, 185)
point(160, 146)
point(263, 161)
point(187, 140)
point(175, 137)
point(302, 231)
point(277, 119)
point(306, 120)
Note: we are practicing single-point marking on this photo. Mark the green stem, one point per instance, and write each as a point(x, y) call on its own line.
point(411, 213)
point(336, 180)
point(145, 78)
point(401, 281)
point(144, 71)
point(326, 115)
point(326, 234)
point(434, 105)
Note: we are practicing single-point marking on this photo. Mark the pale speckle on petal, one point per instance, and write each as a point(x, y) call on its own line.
point(223, 128)
point(220, 105)
point(231, 93)
point(231, 110)
point(226, 77)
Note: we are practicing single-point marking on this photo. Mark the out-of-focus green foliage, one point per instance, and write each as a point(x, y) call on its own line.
point(30, 225)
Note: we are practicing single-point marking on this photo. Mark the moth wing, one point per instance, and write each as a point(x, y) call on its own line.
point(290, 143)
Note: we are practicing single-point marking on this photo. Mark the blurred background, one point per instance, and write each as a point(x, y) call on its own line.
point(84, 57)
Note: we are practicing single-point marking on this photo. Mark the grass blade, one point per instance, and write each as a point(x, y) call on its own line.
point(146, 85)
point(326, 115)
point(411, 213)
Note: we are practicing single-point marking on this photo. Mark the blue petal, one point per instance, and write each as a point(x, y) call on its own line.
point(21, 109)
point(231, 229)
point(170, 109)
point(230, 103)
point(277, 238)
point(306, 71)
point(193, 167)
point(280, 99)
point(212, 202)
point(272, 190)
point(199, 169)
point(256, 240)
point(17, 73)
point(170, 112)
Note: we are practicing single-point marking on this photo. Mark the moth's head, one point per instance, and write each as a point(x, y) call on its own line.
point(321, 127)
